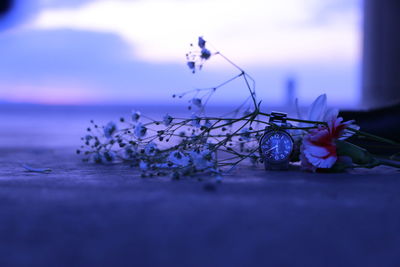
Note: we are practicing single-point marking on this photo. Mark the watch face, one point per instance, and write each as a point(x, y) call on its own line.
point(276, 146)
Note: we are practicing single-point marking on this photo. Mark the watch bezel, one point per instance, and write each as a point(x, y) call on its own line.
point(270, 133)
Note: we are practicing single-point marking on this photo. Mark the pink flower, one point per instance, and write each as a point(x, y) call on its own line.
point(318, 149)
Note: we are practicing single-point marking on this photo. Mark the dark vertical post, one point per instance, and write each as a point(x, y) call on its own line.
point(381, 54)
point(290, 87)
point(5, 6)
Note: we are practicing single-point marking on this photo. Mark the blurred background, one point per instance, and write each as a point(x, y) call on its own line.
point(132, 52)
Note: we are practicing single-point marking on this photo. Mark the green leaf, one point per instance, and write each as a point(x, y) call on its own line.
point(358, 154)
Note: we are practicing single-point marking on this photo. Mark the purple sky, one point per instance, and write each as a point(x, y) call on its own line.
point(71, 52)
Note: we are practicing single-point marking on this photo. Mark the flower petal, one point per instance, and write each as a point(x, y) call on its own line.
point(317, 109)
point(316, 151)
point(346, 133)
point(331, 113)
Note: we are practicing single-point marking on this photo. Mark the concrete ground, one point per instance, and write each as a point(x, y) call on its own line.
point(91, 215)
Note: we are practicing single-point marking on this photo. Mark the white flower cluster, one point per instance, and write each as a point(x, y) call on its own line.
point(196, 59)
point(185, 146)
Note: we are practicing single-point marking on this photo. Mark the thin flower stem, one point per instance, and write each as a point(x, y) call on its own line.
point(389, 162)
point(230, 61)
point(236, 111)
point(373, 137)
point(240, 160)
point(233, 121)
point(212, 88)
point(251, 92)
point(224, 141)
point(242, 73)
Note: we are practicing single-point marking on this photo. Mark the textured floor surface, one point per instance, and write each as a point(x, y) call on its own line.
point(90, 215)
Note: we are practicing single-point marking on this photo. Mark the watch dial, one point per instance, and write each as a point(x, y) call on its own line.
point(276, 146)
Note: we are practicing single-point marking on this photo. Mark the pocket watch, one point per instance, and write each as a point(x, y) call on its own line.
point(276, 145)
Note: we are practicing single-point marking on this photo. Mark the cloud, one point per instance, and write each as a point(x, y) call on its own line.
point(256, 32)
point(63, 3)
point(91, 51)
point(69, 66)
point(83, 66)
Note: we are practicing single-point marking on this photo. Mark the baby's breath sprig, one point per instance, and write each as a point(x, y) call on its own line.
point(200, 96)
point(186, 146)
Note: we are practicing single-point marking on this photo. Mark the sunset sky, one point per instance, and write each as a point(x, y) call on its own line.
point(131, 51)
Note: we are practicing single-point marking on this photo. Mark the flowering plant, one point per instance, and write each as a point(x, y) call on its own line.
point(216, 145)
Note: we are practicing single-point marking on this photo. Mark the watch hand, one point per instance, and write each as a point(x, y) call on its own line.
point(271, 148)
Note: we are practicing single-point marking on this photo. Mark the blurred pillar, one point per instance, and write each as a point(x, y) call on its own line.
point(290, 91)
point(381, 66)
point(5, 6)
